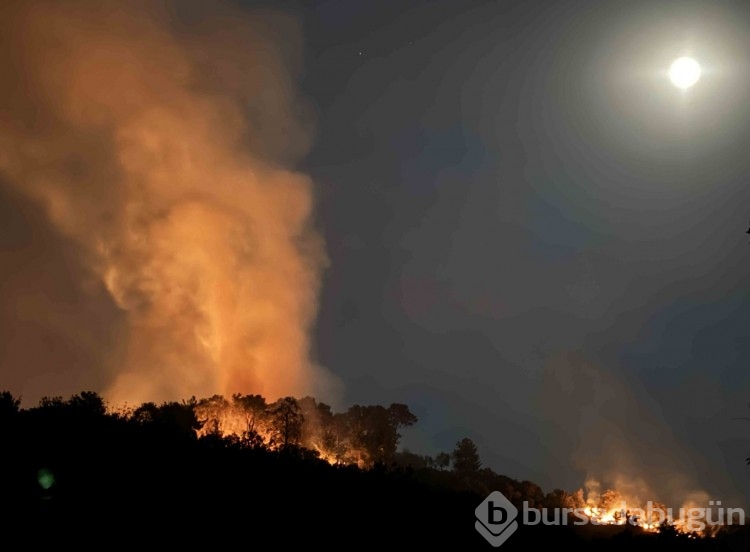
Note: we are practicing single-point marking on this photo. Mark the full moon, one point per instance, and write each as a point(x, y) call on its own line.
point(684, 72)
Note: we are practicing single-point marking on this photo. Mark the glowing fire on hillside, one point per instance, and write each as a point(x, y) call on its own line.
point(363, 436)
point(220, 417)
point(614, 508)
point(360, 436)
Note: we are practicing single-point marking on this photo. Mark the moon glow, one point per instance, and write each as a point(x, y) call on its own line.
point(684, 72)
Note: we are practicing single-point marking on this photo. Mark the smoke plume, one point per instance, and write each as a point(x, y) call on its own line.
point(161, 142)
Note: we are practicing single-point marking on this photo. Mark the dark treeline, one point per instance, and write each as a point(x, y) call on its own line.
point(72, 472)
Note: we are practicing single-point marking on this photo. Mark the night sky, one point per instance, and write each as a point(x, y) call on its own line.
point(533, 238)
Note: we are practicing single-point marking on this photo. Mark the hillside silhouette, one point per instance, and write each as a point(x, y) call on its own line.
point(75, 473)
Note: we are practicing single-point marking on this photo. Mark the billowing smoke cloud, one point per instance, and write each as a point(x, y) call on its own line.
point(156, 140)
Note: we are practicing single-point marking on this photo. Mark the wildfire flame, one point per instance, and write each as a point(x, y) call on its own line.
point(615, 508)
point(255, 421)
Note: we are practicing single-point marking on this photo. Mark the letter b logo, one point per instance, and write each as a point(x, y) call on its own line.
point(496, 518)
point(497, 515)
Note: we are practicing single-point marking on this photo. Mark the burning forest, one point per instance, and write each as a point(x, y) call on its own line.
point(362, 436)
point(75, 443)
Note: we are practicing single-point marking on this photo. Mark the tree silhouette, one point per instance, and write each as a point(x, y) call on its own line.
point(375, 429)
point(145, 413)
point(208, 412)
point(466, 458)
point(9, 405)
point(88, 403)
point(337, 438)
point(286, 422)
point(254, 407)
point(443, 460)
point(52, 403)
point(176, 417)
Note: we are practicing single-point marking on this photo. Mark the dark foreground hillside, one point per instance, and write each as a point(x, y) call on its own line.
point(74, 475)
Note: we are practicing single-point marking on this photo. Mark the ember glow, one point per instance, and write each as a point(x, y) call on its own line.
point(611, 507)
point(159, 148)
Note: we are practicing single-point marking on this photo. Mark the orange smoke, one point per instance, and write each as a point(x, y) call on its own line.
point(156, 139)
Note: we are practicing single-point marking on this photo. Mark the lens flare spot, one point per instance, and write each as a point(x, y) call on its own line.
point(45, 478)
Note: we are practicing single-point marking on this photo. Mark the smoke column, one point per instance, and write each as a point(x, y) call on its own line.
point(156, 139)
